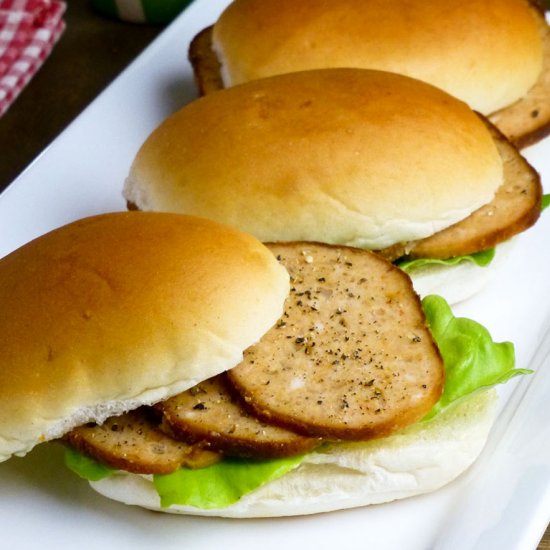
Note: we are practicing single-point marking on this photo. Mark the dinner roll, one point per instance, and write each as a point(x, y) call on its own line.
point(124, 309)
point(343, 156)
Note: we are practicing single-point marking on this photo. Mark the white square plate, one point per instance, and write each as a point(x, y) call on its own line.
point(502, 502)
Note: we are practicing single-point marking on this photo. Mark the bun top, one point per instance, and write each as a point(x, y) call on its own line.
point(341, 156)
point(486, 53)
point(119, 310)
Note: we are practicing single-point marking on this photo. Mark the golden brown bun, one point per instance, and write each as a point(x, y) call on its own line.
point(342, 156)
point(488, 53)
point(119, 310)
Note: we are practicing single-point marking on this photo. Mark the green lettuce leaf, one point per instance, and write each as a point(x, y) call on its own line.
point(85, 466)
point(545, 202)
point(482, 259)
point(215, 486)
point(220, 484)
point(473, 361)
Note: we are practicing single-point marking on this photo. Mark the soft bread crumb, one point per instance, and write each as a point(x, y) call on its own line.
point(419, 459)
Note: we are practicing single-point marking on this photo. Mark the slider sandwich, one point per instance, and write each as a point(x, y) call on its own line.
point(492, 54)
point(350, 157)
point(191, 369)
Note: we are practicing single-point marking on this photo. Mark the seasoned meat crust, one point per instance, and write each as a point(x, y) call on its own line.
point(133, 442)
point(351, 358)
point(527, 121)
point(206, 66)
point(211, 412)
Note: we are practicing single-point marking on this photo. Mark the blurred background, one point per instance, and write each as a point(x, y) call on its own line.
point(93, 49)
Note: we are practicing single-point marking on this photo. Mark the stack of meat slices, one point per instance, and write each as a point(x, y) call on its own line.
point(350, 359)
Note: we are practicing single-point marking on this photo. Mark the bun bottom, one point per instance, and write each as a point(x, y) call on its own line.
point(459, 282)
point(417, 460)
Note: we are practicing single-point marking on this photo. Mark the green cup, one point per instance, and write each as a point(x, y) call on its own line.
point(141, 11)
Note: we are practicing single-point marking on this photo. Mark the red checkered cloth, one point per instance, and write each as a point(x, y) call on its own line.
point(28, 31)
